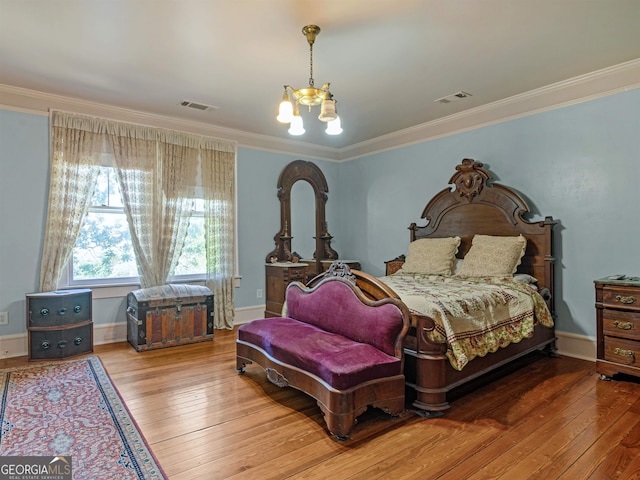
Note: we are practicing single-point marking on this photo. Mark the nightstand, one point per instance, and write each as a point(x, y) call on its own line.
point(618, 325)
point(59, 324)
point(392, 266)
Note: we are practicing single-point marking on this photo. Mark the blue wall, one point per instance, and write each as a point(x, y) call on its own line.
point(579, 164)
point(24, 176)
point(259, 215)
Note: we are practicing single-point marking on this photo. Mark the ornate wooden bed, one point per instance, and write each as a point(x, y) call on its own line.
point(475, 206)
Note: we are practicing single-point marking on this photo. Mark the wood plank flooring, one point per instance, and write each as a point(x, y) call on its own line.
point(551, 419)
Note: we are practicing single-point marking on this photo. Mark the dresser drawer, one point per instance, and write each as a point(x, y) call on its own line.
point(60, 343)
point(59, 308)
point(620, 323)
point(620, 297)
point(294, 274)
point(621, 351)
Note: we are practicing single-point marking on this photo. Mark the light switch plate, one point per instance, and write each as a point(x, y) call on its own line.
point(4, 318)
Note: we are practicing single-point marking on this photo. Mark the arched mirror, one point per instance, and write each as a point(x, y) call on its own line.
point(285, 242)
point(303, 224)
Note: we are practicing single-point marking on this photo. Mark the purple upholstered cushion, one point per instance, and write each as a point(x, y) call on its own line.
point(334, 307)
point(339, 361)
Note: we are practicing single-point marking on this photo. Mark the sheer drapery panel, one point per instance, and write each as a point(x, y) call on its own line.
point(218, 179)
point(157, 179)
point(160, 174)
point(76, 148)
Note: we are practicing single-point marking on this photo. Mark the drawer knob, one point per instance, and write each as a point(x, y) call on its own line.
point(44, 312)
point(77, 340)
point(62, 311)
point(623, 325)
point(77, 308)
point(62, 344)
point(625, 353)
point(45, 345)
point(626, 300)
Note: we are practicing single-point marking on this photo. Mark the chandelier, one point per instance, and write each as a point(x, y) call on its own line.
point(309, 96)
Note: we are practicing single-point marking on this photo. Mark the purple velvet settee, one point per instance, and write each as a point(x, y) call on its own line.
point(335, 345)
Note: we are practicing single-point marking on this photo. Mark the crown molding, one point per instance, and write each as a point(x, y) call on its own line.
point(608, 81)
point(601, 83)
point(40, 103)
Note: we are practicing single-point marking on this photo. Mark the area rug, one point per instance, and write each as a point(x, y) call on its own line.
point(72, 409)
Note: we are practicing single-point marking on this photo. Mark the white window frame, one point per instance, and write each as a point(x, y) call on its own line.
point(68, 279)
point(114, 290)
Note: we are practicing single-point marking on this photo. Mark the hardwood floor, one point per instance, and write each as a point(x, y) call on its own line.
point(551, 419)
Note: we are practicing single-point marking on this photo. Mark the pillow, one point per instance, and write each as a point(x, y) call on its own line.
point(431, 256)
point(457, 264)
point(493, 256)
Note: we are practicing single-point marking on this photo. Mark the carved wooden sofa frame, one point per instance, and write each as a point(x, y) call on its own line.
point(336, 345)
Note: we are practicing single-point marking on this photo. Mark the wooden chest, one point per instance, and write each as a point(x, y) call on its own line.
point(59, 324)
point(618, 325)
point(169, 315)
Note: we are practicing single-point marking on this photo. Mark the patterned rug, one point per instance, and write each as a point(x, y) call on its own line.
point(73, 409)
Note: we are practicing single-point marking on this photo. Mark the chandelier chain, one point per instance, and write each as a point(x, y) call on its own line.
point(311, 84)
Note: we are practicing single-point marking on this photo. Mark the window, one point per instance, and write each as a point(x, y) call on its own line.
point(103, 253)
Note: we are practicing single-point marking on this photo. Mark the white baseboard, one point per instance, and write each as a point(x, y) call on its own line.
point(576, 346)
point(246, 314)
point(13, 345)
point(569, 344)
point(17, 345)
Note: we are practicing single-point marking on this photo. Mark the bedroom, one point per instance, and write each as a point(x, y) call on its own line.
point(577, 162)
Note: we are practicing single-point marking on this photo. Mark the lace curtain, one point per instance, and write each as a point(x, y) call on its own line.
point(157, 180)
point(75, 159)
point(218, 169)
point(157, 172)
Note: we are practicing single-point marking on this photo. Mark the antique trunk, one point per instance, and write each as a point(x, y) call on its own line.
point(169, 315)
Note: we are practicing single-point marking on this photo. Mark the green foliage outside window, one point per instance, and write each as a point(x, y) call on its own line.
point(104, 250)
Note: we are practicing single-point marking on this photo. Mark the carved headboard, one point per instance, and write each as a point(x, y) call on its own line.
point(477, 206)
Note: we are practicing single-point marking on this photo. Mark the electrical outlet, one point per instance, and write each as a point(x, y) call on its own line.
point(4, 318)
point(259, 293)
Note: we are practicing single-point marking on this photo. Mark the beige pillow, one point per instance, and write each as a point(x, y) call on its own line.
point(431, 256)
point(493, 256)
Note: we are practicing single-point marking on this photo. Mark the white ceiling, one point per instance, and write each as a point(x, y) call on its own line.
point(387, 60)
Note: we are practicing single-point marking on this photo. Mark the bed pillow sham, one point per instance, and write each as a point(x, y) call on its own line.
point(493, 256)
point(431, 256)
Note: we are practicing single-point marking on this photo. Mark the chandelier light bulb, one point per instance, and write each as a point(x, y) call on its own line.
point(285, 112)
point(296, 128)
point(328, 110)
point(334, 127)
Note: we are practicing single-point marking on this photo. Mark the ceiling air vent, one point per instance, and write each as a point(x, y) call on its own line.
point(453, 97)
point(199, 106)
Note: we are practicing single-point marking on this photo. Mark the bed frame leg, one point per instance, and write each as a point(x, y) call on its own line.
point(550, 350)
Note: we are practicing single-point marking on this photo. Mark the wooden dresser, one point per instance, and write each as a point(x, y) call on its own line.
point(278, 276)
point(281, 274)
point(618, 325)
